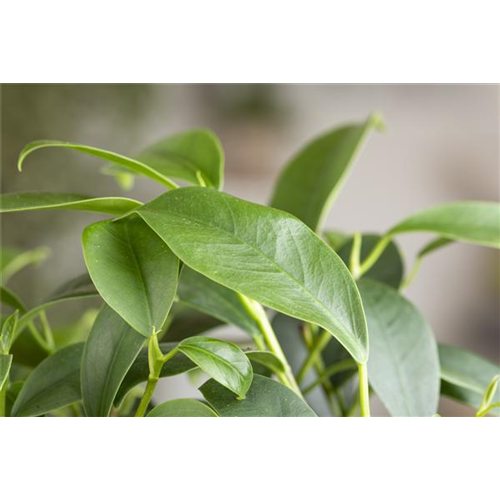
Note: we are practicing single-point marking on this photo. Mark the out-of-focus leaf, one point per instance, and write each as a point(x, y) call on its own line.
point(182, 408)
point(336, 239)
point(9, 298)
point(12, 260)
point(5, 364)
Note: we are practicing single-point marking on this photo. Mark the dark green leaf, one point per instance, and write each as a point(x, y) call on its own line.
point(182, 408)
point(388, 269)
point(267, 359)
point(310, 183)
point(9, 298)
point(19, 202)
point(188, 322)
point(223, 361)
point(53, 384)
point(5, 364)
point(110, 350)
point(133, 270)
point(265, 254)
point(404, 366)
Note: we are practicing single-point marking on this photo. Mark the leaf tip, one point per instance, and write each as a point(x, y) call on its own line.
point(376, 120)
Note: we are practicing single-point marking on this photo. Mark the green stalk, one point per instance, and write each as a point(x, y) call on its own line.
point(364, 390)
point(47, 331)
point(354, 258)
point(3, 398)
point(374, 255)
point(341, 366)
point(257, 313)
point(316, 349)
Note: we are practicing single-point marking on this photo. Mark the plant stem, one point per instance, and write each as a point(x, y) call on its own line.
point(374, 255)
point(411, 275)
point(257, 313)
point(316, 349)
point(341, 366)
point(485, 412)
point(354, 259)
point(146, 397)
point(47, 331)
point(3, 398)
point(364, 390)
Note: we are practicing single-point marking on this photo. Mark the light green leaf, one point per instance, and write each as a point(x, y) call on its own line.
point(133, 270)
point(12, 261)
point(53, 384)
point(489, 396)
point(266, 359)
point(128, 163)
point(465, 375)
point(404, 366)
point(265, 254)
point(182, 408)
point(112, 347)
point(205, 295)
point(469, 221)
point(8, 331)
point(266, 398)
point(310, 183)
point(19, 202)
point(5, 364)
point(223, 361)
point(388, 269)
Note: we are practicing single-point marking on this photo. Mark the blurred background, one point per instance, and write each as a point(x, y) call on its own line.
point(441, 145)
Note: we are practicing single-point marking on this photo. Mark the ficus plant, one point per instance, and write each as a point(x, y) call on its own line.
point(325, 312)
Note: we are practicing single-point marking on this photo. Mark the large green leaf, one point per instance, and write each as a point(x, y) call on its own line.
point(139, 371)
point(223, 361)
point(133, 270)
point(19, 202)
point(199, 292)
point(12, 260)
point(134, 166)
point(53, 384)
point(112, 347)
point(469, 221)
point(404, 366)
point(5, 364)
point(188, 156)
point(311, 181)
point(265, 254)
point(388, 269)
point(182, 408)
point(466, 375)
point(266, 398)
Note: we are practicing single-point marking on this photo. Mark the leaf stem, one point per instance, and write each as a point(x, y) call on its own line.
point(485, 412)
point(3, 398)
point(374, 255)
point(411, 275)
point(364, 390)
point(354, 258)
point(314, 353)
point(341, 366)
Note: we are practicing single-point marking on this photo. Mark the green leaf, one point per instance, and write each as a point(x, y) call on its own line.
point(265, 254)
point(110, 351)
point(469, 221)
point(12, 261)
point(187, 156)
point(388, 269)
point(53, 384)
point(134, 166)
point(8, 331)
point(19, 202)
point(310, 183)
point(489, 395)
point(404, 366)
point(9, 298)
point(140, 369)
point(465, 375)
point(266, 359)
point(223, 361)
point(5, 364)
point(182, 408)
point(133, 270)
point(188, 322)
point(266, 398)
point(336, 239)
point(199, 292)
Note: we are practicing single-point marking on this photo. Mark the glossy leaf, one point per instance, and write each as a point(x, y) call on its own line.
point(182, 408)
point(133, 270)
point(53, 384)
point(310, 183)
point(139, 371)
point(465, 376)
point(134, 166)
point(12, 260)
point(223, 361)
point(469, 221)
point(266, 359)
point(265, 254)
point(404, 366)
point(266, 398)
point(112, 347)
point(5, 364)
point(20, 202)
point(199, 292)
point(388, 269)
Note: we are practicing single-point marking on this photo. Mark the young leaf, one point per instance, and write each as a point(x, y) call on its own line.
point(188, 156)
point(489, 396)
point(182, 408)
point(139, 371)
point(404, 366)
point(19, 202)
point(12, 261)
point(265, 254)
point(320, 168)
point(223, 361)
point(199, 292)
point(266, 398)
point(110, 350)
point(465, 375)
point(469, 221)
point(388, 269)
point(133, 270)
point(134, 166)
point(53, 384)
point(5, 364)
